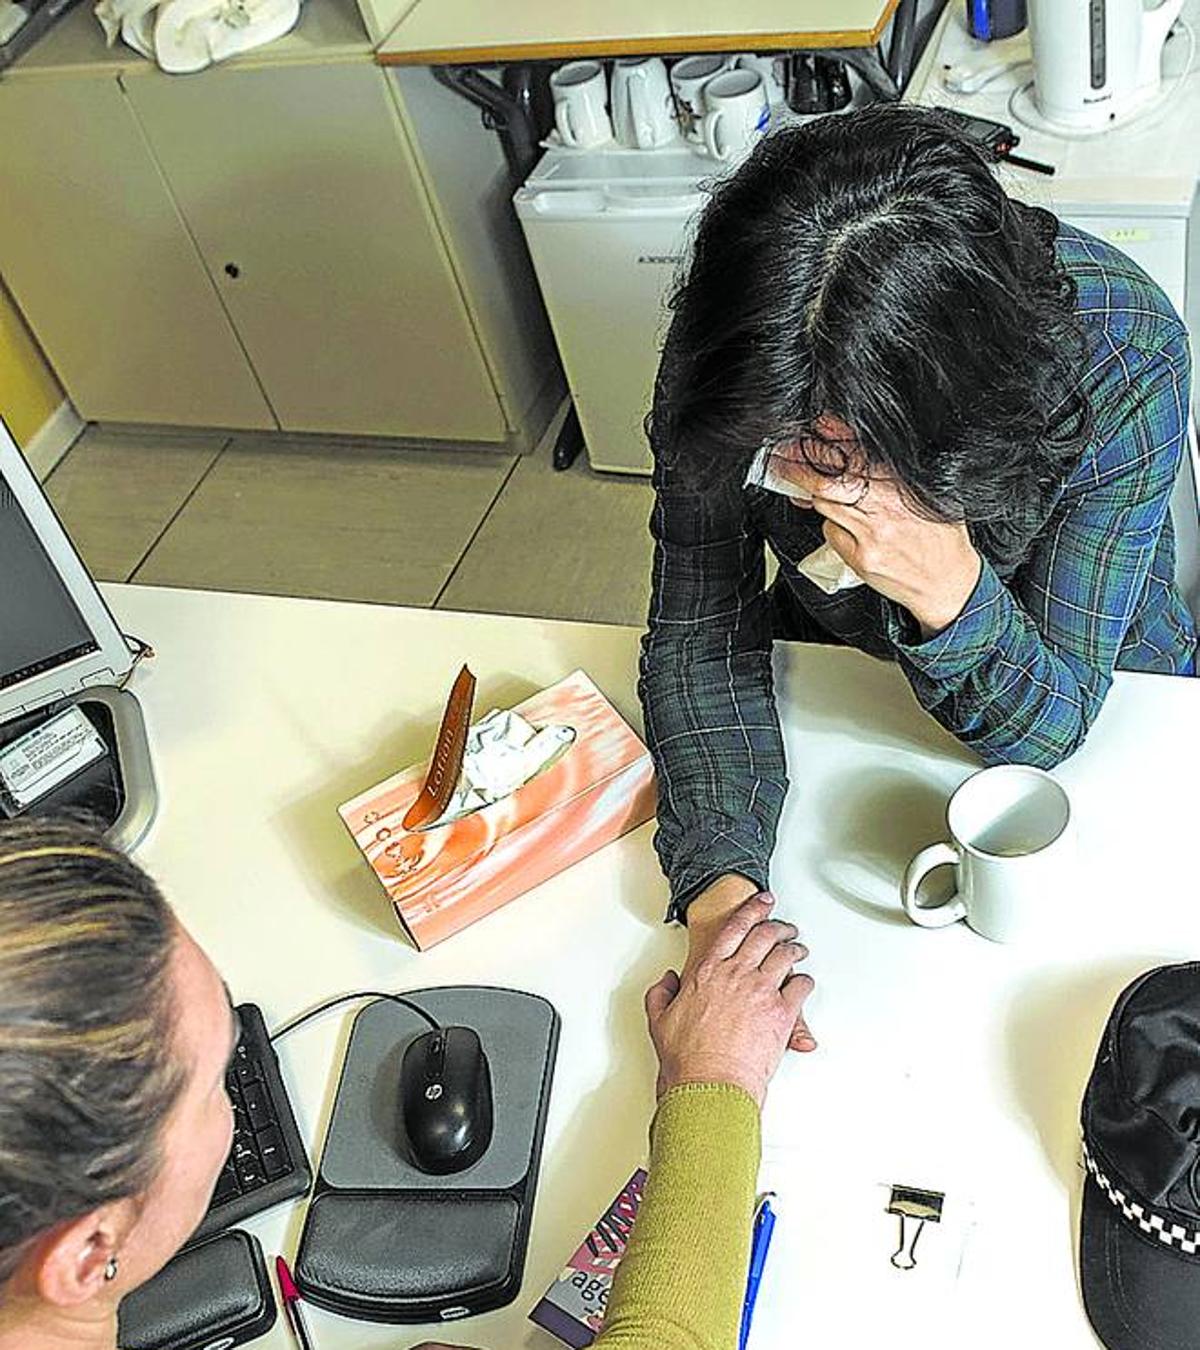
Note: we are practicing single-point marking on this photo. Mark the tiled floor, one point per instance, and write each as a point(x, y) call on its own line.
point(451, 529)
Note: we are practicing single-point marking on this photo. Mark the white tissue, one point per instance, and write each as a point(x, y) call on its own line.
point(185, 36)
point(824, 566)
point(137, 31)
point(191, 34)
point(503, 753)
point(114, 15)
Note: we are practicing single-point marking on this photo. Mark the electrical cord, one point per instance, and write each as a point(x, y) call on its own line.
point(301, 1018)
point(142, 651)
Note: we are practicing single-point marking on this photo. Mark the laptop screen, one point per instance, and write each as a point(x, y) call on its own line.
point(40, 624)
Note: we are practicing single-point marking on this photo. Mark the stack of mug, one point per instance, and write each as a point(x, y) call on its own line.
point(719, 105)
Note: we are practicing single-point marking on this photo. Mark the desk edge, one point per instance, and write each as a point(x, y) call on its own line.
point(468, 55)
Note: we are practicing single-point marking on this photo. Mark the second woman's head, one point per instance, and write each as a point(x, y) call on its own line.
point(115, 1034)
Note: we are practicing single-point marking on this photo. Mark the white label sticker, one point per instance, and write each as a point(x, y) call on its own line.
point(48, 755)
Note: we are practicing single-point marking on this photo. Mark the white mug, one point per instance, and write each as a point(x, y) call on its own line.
point(771, 70)
point(688, 78)
point(580, 94)
point(738, 112)
point(643, 111)
point(1013, 850)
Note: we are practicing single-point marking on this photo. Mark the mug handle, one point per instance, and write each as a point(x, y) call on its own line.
point(932, 916)
point(708, 128)
point(562, 120)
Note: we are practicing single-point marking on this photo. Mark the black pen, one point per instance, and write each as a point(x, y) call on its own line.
point(1035, 164)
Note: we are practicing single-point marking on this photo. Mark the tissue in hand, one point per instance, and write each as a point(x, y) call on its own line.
point(824, 566)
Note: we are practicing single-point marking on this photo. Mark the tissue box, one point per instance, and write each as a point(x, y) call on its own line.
point(442, 879)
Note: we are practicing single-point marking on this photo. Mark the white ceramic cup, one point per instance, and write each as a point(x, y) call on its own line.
point(1013, 850)
point(771, 70)
point(688, 78)
point(580, 95)
point(738, 113)
point(642, 106)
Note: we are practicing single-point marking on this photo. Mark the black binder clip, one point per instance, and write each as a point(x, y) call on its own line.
point(921, 1207)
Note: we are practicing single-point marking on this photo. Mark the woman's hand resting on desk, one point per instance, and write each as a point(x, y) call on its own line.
point(729, 1016)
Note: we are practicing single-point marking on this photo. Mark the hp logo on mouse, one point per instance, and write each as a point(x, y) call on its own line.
point(433, 1092)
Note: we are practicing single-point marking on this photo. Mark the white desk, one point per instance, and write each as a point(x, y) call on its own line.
point(946, 1062)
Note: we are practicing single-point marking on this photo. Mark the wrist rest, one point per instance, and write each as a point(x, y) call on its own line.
point(385, 1242)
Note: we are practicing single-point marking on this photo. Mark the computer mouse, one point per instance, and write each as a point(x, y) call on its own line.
point(445, 1101)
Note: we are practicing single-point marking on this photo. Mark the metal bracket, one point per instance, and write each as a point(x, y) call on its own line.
point(509, 106)
point(886, 79)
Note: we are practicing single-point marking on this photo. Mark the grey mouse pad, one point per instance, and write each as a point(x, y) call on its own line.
point(364, 1149)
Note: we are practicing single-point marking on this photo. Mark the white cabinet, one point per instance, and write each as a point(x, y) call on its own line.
point(304, 203)
point(260, 245)
point(94, 250)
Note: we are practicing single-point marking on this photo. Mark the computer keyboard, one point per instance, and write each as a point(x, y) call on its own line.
point(267, 1162)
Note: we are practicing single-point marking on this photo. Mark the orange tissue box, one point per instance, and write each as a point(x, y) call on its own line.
point(445, 877)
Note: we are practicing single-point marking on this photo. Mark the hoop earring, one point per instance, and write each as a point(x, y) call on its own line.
point(110, 1269)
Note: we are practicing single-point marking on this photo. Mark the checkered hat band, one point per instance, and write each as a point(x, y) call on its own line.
point(1166, 1231)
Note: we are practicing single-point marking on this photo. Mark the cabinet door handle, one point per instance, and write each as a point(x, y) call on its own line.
point(233, 270)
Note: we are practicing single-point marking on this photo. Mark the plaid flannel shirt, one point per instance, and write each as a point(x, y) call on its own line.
point(1021, 673)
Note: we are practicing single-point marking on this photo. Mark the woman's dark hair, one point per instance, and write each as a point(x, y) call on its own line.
point(87, 1078)
point(869, 266)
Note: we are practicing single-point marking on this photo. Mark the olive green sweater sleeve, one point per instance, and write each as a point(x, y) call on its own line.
point(682, 1280)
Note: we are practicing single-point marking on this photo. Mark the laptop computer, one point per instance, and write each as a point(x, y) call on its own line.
point(61, 647)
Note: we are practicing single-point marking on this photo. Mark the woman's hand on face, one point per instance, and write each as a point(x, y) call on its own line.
point(928, 566)
point(728, 1018)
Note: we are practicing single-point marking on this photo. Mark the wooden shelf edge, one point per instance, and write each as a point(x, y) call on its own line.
point(683, 43)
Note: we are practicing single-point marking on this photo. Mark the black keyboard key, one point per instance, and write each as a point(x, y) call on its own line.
point(245, 1069)
point(258, 1107)
point(227, 1186)
point(274, 1153)
point(249, 1171)
point(267, 1162)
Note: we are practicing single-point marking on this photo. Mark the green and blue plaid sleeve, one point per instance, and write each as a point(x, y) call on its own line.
point(706, 690)
point(1022, 672)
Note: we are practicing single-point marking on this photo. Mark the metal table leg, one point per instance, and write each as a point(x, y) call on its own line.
point(509, 109)
point(569, 441)
point(886, 78)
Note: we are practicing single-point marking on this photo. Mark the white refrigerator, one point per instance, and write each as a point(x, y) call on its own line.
point(608, 231)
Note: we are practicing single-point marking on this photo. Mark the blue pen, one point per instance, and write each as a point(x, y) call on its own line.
point(760, 1244)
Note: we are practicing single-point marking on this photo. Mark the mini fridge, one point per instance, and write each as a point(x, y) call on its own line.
point(608, 232)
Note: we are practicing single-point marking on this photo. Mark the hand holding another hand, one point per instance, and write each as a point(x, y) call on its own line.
point(729, 1016)
point(706, 917)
